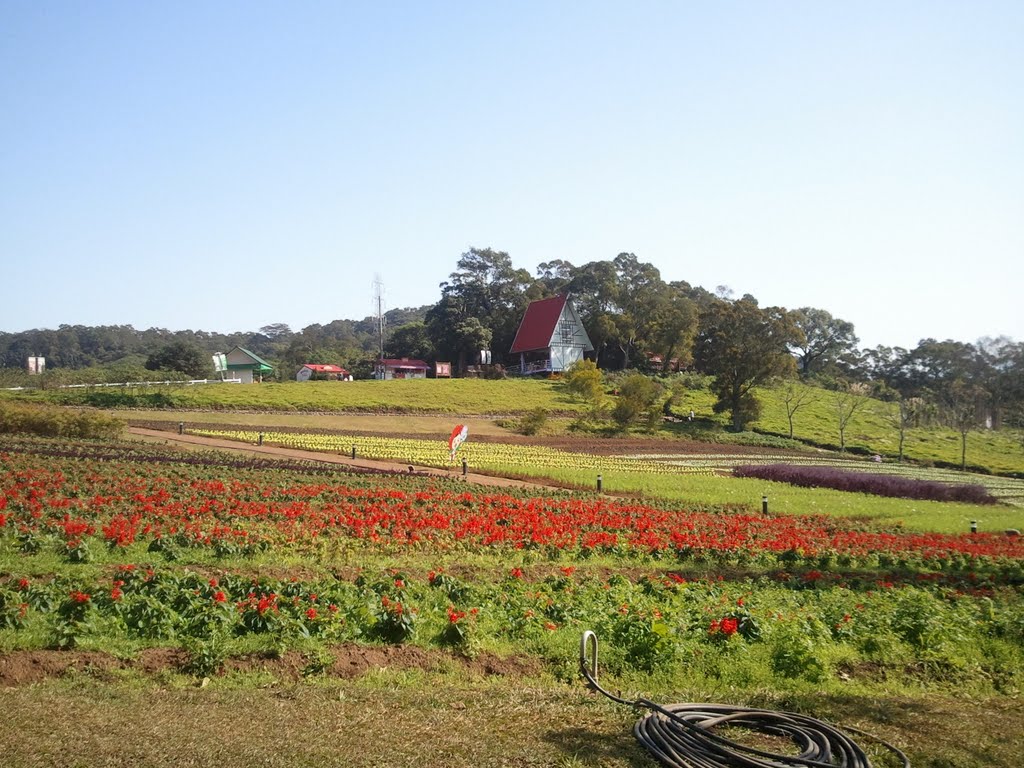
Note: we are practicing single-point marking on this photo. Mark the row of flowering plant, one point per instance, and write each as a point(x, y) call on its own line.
point(648, 622)
point(80, 507)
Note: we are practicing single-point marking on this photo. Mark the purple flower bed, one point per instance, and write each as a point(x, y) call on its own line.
point(865, 482)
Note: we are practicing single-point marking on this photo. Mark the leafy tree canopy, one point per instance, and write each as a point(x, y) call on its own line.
point(744, 346)
point(182, 357)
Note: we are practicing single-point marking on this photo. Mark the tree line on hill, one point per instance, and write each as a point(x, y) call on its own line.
point(635, 319)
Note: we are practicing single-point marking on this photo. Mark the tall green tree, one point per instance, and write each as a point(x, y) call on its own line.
point(410, 340)
point(744, 346)
point(826, 340)
point(485, 287)
point(594, 289)
point(456, 336)
point(674, 326)
point(182, 357)
point(639, 296)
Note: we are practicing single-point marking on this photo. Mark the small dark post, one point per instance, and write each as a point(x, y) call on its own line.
point(464, 466)
point(599, 484)
point(974, 526)
point(259, 440)
point(764, 505)
point(181, 427)
point(353, 451)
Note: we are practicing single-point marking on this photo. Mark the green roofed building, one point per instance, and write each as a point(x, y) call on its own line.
point(249, 367)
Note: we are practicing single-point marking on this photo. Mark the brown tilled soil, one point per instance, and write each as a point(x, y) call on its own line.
point(349, 661)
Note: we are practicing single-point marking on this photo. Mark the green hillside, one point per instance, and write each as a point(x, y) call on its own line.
point(816, 423)
point(455, 396)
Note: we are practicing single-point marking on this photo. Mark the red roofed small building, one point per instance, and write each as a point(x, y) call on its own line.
point(550, 338)
point(315, 371)
point(401, 368)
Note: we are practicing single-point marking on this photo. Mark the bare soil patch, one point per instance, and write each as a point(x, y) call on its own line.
point(27, 667)
point(19, 668)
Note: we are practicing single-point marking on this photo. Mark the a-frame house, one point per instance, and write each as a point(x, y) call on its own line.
point(550, 337)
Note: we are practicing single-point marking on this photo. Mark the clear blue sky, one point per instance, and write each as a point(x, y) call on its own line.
point(223, 166)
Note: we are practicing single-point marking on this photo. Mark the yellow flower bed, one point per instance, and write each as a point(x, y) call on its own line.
point(434, 453)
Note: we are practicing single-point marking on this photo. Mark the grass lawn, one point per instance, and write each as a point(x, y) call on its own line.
point(441, 396)
point(431, 720)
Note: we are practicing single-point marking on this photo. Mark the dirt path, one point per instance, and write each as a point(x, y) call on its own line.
point(198, 441)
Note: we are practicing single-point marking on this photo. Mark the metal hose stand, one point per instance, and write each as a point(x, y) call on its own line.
point(682, 735)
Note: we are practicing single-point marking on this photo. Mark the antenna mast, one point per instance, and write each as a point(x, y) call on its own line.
point(378, 297)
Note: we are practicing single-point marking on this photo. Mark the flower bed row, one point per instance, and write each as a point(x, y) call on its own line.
point(780, 628)
point(434, 453)
point(867, 482)
point(75, 502)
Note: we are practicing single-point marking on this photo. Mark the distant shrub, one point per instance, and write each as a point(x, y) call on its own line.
point(51, 421)
point(867, 482)
point(637, 396)
point(532, 422)
point(124, 399)
point(761, 440)
point(585, 382)
point(691, 380)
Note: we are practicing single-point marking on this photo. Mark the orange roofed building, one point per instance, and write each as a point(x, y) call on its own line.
point(316, 371)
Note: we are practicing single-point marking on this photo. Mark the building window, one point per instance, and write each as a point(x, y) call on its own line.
point(566, 331)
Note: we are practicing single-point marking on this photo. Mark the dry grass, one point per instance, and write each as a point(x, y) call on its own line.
point(384, 720)
point(422, 720)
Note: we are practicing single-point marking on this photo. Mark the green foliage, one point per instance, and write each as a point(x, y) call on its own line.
point(410, 340)
point(148, 616)
point(77, 551)
point(395, 620)
point(798, 650)
point(641, 641)
point(637, 396)
point(744, 346)
point(826, 340)
point(532, 422)
point(73, 619)
point(13, 609)
point(585, 382)
point(742, 409)
point(205, 655)
point(50, 421)
point(180, 356)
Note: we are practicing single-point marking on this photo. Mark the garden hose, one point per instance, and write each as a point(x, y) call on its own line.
point(683, 735)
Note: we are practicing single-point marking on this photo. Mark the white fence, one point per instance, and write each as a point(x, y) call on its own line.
point(189, 383)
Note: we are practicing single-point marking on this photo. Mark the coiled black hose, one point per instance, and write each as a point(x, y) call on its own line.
point(683, 736)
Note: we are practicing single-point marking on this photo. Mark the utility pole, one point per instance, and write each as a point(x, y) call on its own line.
point(378, 296)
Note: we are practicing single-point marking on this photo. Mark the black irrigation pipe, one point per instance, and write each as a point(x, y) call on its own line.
point(683, 735)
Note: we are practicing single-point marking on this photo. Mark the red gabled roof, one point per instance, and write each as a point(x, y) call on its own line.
point(404, 362)
point(538, 324)
point(324, 368)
